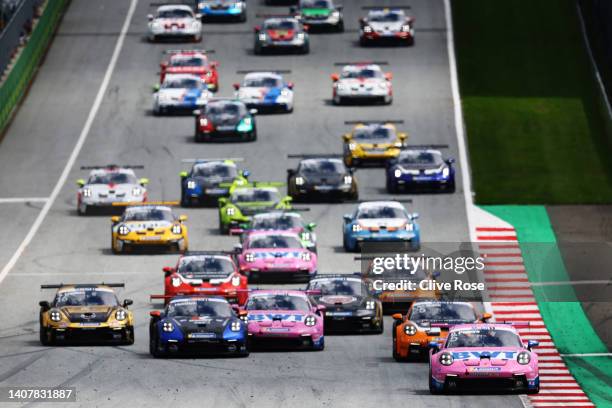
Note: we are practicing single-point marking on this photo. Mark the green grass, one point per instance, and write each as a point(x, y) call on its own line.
point(535, 133)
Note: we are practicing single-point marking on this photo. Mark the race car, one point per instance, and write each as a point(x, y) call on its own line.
point(148, 227)
point(380, 221)
point(265, 90)
point(194, 62)
point(244, 201)
point(421, 168)
point(349, 305)
point(386, 25)
point(175, 22)
point(197, 324)
point(202, 184)
point(110, 184)
point(485, 356)
point(205, 272)
point(284, 318)
point(281, 34)
point(427, 321)
point(362, 82)
point(223, 10)
point(225, 119)
point(276, 256)
point(372, 142)
point(88, 313)
point(281, 221)
point(180, 93)
point(321, 177)
point(320, 14)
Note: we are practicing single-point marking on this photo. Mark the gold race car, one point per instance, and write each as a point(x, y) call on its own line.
point(85, 312)
point(372, 141)
point(151, 226)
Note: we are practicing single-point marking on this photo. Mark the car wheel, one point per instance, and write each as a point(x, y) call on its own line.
point(223, 229)
point(305, 49)
point(337, 100)
point(155, 348)
point(396, 355)
point(128, 337)
point(253, 136)
point(45, 339)
point(82, 209)
point(346, 245)
point(363, 42)
point(392, 187)
point(388, 100)
point(340, 27)
point(243, 17)
point(451, 187)
point(321, 346)
point(535, 390)
point(432, 387)
point(257, 50)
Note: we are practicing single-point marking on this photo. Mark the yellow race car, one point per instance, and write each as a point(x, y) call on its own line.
point(150, 226)
point(372, 141)
point(85, 312)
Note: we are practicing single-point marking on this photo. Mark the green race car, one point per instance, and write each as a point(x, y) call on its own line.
point(246, 200)
point(321, 14)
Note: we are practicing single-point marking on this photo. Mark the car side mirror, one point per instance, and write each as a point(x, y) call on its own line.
point(198, 16)
point(44, 305)
point(435, 274)
point(290, 85)
point(414, 216)
point(532, 343)
point(182, 218)
point(290, 172)
point(292, 10)
point(236, 85)
point(352, 170)
point(127, 302)
point(115, 219)
point(434, 345)
point(257, 28)
point(402, 136)
point(253, 111)
point(155, 314)
point(311, 226)
point(320, 309)
point(183, 174)
point(486, 316)
point(144, 181)
point(237, 248)
point(397, 316)
point(242, 313)
point(388, 76)
point(347, 218)
point(168, 270)
point(197, 112)
point(335, 77)
point(347, 137)
point(222, 201)
point(306, 27)
point(155, 88)
point(80, 182)
point(450, 161)
point(163, 66)
point(150, 17)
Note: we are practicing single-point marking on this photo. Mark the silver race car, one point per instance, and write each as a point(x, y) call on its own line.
point(362, 82)
point(265, 90)
point(180, 93)
point(386, 25)
point(175, 22)
point(110, 184)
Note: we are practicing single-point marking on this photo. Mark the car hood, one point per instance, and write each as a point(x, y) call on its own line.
point(277, 318)
point(203, 324)
point(182, 93)
point(144, 225)
point(111, 188)
point(255, 207)
point(341, 301)
point(211, 181)
point(276, 254)
point(260, 93)
point(315, 12)
point(386, 26)
point(324, 179)
point(224, 119)
point(87, 314)
point(361, 82)
point(382, 222)
point(486, 356)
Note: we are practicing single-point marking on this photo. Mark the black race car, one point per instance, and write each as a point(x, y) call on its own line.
point(281, 34)
point(321, 177)
point(421, 168)
point(225, 119)
point(202, 184)
point(350, 307)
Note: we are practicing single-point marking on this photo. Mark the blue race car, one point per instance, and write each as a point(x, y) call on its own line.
point(420, 169)
point(180, 93)
point(202, 185)
point(223, 9)
point(265, 90)
point(198, 324)
point(381, 221)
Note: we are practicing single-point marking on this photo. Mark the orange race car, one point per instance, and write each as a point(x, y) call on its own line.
point(429, 321)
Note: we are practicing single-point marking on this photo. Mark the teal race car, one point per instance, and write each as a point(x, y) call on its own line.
point(320, 14)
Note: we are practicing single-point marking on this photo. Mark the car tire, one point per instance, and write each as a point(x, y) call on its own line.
point(154, 347)
point(392, 188)
point(305, 49)
point(396, 355)
point(533, 391)
point(432, 388)
point(223, 229)
point(257, 49)
point(253, 136)
point(128, 338)
point(321, 347)
point(346, 245)
point(363, 42)
point(45, 338)
point(340, 27)
point(451, 187)
point(243, 17)
point(337, 100)
point(381, 328)
point(82, 209)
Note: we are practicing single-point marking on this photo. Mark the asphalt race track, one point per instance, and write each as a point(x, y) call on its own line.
point(353, 370)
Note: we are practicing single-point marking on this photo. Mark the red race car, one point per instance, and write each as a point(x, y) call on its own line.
point(191, 62)
point(205, 273)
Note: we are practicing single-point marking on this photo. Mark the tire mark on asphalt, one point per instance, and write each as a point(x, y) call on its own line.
point(20, 367)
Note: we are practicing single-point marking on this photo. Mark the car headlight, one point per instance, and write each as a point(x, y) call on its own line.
point(191, 184)
point(305, 236)
point(299, 181)
point(352, 146)
point(310, 321)
point(397, 173)
point(409, 226)
point(123, 229)
point(177, 229)
point(367, 29)
point(168, 327)
point(236, 281)
point(120, 314)
point(301, 36)
point(340, 86)
point(357, 228)
point(87, 192)
point(382, 85)
point(55, 315)
point(523, 358)
point(348, 179)
point(245, 125)
point(335, 14)
point(235, 326)
point(249, 257)
point(370, 305)
point(445, 172)
point(203, 122)
point(262, 37)
point(238, 5)
point(230, 211)
point(410, 329)
point(406, 28)
point(305, 256)
point(136, 191)
point(446, 359)
point(176, 282)
point(285, 92)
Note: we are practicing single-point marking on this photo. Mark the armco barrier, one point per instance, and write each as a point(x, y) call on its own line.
point(16, 84)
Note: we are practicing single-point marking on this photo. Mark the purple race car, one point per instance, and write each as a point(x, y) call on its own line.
point(276, 255)
point(284, 318)
point(483, 356)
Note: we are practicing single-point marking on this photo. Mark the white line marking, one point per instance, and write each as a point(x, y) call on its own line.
point(115, 273)
point(588, 355)
point(573, 283)
point(11, 200)
point(77, 148)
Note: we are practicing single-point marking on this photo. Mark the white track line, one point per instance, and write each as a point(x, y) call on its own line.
point(77, 148)
point(11, 200)
point(588, 355)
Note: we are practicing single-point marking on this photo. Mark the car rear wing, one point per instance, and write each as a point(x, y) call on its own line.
point(391, 7)
point(254, 184)
point(276, 71)
point(280, 15)
point(339, 64)
point(172, 3)
point(146, 203)
point(82, 285)
point(399, 200)
point(517, 324)
point(189, 51)
point(425, 146)
point(114, 166)
point(315, 156)
point(373, 122)
point(213, 159)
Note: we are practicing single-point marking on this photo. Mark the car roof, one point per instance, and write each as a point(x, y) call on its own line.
point(359, 67)
point(286, 292)
point(385, 11)
point(263, 74)
point(480, 326)
point(103, 171)
point(272, 214)
point(206, 298)
point(182, 76)
point(73, 288)
point(375, 204)
point(285, 233)
point(148, 207)
point(167, 7)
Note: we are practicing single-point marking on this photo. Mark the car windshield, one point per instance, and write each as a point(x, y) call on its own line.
point(273, 241)
point(374, 133)
point(278, 302)
point(489, 337)
point(262, 82)
point(380, 211)
point(181, 83)
point(187, 61)
point(113, 178)
point(362, 73)
point(443, 312)
point(86, 297)
point(280, 25)
point(148, 214)
point(174, 13)
point(276, 221)
point(253, 195)
point(205, 267)
point(225, 108)
point(420, 157)
point(386, 17)
point(324, 4)
point(199, 307)
point(211, 170)
point(338, 286)
point(322, 166)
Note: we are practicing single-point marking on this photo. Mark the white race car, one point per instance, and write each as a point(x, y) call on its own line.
point(265, 90)
point(175, 21)
point(181, 93)
point(110, 184)
point(383, 25)
point(362, 83)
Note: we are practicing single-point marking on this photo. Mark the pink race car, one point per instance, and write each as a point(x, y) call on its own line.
point(284, 318)
point(276, 255)
point(483, 356)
